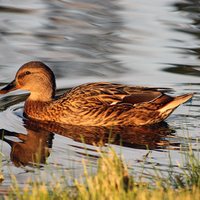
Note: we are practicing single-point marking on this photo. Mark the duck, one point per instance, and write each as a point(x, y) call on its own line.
point(91, 104)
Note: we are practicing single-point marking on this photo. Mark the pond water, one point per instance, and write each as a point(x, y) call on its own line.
point(135, 42)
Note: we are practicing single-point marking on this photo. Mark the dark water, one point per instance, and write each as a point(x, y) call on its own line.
point(140, 42)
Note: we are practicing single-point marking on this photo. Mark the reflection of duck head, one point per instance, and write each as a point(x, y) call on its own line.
point(91, 104)
point(33, 148)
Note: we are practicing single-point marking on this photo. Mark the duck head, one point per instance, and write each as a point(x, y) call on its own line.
point(35, 77)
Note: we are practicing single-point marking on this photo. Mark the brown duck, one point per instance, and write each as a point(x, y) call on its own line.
point(92, 104)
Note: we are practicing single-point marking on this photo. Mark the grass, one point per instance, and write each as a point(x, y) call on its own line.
point(113, 181)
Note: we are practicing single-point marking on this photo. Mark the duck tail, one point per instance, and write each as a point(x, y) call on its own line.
point(176, 102)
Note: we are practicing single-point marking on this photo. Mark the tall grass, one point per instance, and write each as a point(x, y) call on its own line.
point(113, 181)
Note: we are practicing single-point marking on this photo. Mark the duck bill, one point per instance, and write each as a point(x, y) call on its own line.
point(10, 87)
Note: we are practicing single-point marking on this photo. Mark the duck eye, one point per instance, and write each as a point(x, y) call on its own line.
point(27, 72)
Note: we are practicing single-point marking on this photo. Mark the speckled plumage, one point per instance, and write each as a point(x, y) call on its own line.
point(92, 104)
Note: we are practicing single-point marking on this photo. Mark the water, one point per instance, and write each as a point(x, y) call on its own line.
point(130, 42)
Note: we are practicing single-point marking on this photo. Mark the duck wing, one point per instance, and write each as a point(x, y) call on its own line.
point(101, 93)
point(107, 104)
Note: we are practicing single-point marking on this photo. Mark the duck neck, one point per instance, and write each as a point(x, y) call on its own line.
point(40, 97)
point(44, 91)
point(44, 94)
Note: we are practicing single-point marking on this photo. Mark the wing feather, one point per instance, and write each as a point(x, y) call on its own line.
point(100, 93)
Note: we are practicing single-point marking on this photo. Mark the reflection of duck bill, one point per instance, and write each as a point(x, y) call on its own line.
point(33, 148)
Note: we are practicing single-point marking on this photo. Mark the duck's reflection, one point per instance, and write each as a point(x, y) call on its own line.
point(35, 146)
point(29, 149)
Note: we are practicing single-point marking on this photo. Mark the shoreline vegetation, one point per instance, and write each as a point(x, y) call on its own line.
point(113, 180)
